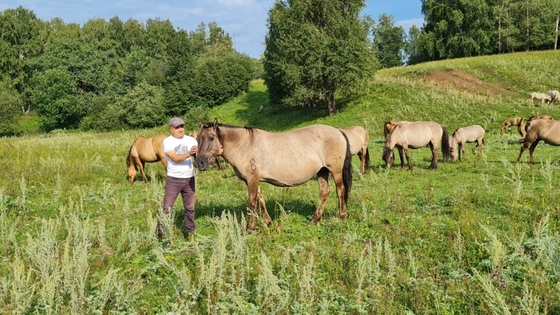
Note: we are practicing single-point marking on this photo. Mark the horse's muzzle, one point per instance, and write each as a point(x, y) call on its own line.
point(201, 164)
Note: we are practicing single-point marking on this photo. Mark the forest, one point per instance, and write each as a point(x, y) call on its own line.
point(114, 75)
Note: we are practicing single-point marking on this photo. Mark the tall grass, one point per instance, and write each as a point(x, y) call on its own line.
point(476, 237)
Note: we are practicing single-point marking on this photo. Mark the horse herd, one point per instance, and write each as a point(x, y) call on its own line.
point(294, 157)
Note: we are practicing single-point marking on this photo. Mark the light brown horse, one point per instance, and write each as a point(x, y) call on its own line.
point(282, 159)
point(388, 127)
point(513, 121)
point(554, 96)
point(417, 135)
point(462, 136)
point(545, 129)
point(540, 96)
point(359, 144)
point(144, 150)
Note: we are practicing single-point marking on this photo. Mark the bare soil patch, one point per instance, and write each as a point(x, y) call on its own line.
point(464, 81)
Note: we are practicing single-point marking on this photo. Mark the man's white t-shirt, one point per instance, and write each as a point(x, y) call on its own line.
point(183, 169)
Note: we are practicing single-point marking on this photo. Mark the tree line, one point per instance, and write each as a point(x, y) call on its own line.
point(108, 75)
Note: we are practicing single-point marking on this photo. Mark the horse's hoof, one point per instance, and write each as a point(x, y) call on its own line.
point(314, 220)
point(343, 215)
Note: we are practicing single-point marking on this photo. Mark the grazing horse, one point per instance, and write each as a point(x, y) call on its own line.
point(540, 96)
point(388, 127)
point(282, 159)
point(417, 135)
point(545, 129)
point(554, 96)
point(462, 136)
point(514, 121)
point(359, 144)
point(144, 150)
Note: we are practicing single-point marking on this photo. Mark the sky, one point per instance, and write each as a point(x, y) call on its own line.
point(244, 20)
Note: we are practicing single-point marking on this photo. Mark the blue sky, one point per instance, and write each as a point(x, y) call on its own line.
point(244, 20)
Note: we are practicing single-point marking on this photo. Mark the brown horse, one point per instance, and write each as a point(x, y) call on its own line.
point(514, 121)
point(545, 129)
point(359, 144)
point(282, 159)
point(462, 136)
point(144, 150)
point(417, 135)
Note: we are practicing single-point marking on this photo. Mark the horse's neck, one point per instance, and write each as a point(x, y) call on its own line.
point(235, 141)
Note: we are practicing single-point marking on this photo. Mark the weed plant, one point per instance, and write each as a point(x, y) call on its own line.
point(476, 237)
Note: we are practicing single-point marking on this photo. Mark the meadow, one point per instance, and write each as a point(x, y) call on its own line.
point(476, 237)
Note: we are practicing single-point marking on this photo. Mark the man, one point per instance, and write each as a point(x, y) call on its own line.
point(179, 148)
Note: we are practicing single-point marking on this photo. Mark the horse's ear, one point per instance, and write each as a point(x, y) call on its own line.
point(215, 122)
point(200, 124)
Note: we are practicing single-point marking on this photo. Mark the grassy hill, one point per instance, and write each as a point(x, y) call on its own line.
point(476, 237)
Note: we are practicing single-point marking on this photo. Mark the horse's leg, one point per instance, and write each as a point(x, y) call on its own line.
point(262, 204)
point(324, 190)
point(524, 147)
point(463, 147)
point(362, 162)
point(531, 150)
point(253, 188)
point(405, 149)
point(141, 166)
point(401, 155)
point(218, 163)
point(434, 148)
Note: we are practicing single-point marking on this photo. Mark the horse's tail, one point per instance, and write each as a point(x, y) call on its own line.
point(347, 170)
point(130, 163)
point(445, 148)
point(367, 158)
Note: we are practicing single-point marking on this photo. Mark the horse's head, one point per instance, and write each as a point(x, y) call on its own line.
point(208, 145)
point(388, 156)
point(454, 154)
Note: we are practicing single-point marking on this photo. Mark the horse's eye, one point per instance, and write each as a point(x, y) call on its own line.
point(211, 138)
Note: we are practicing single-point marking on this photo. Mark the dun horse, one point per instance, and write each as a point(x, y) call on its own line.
point(388, 127)
point(144, 150)
point(462, 136)
point(282, 159)
point(359, 144)
point(554, 96)
point(540, 96)
point(514, 121)
point(545, 129)
point(416, 135)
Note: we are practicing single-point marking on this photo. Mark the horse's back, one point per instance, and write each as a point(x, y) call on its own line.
point(469, 133)
point(358, 137)
point(293, 157)
point(418, 134)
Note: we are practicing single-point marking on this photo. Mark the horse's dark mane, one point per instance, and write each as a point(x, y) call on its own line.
point(248, 128)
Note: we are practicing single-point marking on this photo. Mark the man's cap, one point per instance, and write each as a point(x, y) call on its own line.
point(176, 122)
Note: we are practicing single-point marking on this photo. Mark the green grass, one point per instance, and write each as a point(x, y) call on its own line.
point(476, 237)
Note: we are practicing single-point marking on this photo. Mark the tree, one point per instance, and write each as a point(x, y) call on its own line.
point(22, 38)
point(315, 49)
point(388, 42)
point(142, 107)
point(413, 48)
point(10, 103)
point(53, 96)
point(457, 28)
